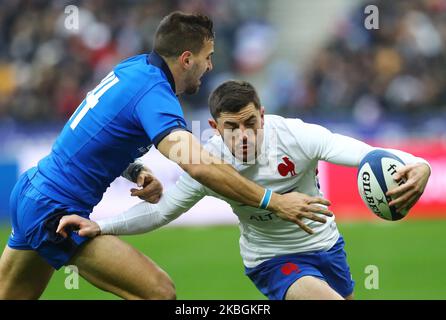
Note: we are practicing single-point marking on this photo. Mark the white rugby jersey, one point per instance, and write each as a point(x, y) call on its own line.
point(287, 162)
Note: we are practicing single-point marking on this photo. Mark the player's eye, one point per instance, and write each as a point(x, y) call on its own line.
point(250, 124)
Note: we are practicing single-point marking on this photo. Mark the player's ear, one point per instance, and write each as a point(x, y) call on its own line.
point(262, 115)
point(186, 60)
point(213, 125)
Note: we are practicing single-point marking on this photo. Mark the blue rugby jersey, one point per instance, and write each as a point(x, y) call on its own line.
point(132, 108)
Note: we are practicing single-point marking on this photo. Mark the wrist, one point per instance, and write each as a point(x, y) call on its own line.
point(147, 170)
point(274, 202)
point(101, 227)
point(98, 230)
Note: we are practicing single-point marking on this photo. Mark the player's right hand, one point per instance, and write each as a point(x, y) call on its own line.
point(84, 227)
point(151, 188)
point(294, 207)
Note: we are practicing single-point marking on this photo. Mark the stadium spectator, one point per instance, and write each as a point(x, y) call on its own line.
point(37, 52)
point(398, 68)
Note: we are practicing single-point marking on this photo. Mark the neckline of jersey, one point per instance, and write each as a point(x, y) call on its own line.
point(156, 60)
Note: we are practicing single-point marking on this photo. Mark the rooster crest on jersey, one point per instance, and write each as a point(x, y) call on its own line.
point(375, 178)
point(286, 167)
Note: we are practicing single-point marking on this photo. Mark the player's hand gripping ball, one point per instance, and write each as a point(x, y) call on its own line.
point(375, 178)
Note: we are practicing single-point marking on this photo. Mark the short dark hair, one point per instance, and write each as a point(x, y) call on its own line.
point(179, 32)
point(232, 96)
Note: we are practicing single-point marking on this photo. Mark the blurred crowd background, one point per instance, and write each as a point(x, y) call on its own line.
point(46, 69)
point(361, 75)
point(398, 69)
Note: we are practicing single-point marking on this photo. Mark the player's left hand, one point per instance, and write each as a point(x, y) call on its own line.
point(152, 189)
point(406, 195)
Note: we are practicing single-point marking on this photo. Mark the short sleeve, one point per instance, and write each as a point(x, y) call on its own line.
point(160, 113)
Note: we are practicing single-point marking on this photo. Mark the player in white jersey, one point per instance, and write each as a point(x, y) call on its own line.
point(285, 260)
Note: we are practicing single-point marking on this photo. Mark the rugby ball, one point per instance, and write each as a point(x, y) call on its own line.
point(375, 177)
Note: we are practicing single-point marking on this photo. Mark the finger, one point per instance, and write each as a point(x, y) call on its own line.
point(152, 189)
point(137, 192)
point(402, 199)
point(410, 203)
point(65, 222)
point(61, 225)
point(303, 226)
point(314, 217)
point(401, 189)
point(314, 200)
point(401, 172)
point(318, 209)
point(61, 230)
point(140, 180)
point(86, 232)
point(144, 179)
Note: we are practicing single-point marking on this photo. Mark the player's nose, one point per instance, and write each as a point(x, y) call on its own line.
point(243, 133)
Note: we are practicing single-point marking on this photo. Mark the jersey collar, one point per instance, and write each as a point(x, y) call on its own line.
point(156, 60)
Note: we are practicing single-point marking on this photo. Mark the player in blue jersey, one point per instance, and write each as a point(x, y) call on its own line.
point(133, 107)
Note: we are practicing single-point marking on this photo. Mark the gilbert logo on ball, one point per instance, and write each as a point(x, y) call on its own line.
point(375, 178)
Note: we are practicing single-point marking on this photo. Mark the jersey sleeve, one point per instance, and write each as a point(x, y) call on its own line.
point(145, 217)
point(319, 143)
point(160, 113)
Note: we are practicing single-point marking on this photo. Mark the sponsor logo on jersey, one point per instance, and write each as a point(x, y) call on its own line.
point(265, 217)
point(144, 150)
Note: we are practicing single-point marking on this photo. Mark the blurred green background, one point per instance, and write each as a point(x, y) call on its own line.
point(204, 262)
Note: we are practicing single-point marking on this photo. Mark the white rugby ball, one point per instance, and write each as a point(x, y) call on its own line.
point(375, 177)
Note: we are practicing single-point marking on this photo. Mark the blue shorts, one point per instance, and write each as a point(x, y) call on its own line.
point(34, 219)
point(273, 277)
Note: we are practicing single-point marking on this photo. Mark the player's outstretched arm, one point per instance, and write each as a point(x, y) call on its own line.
point(141, 218)
point(340, 149)
point(344, 150)
point(183, 148)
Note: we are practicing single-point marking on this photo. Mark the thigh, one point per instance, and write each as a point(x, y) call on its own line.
point(336, 270)
point(274, 277)
point(23, 274)
point(113, 265)
point(311, 288)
